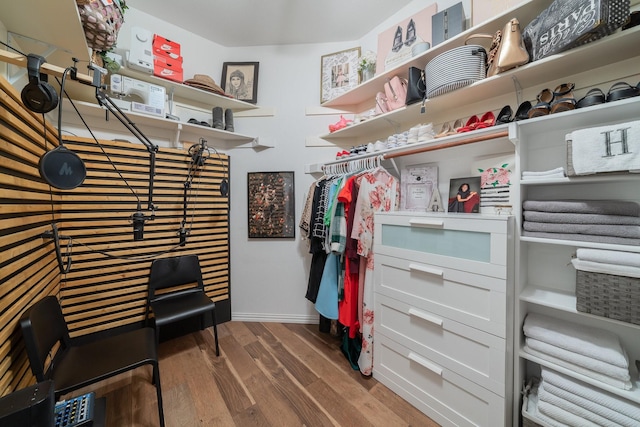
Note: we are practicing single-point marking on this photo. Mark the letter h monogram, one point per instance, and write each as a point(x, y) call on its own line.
point(624, 145)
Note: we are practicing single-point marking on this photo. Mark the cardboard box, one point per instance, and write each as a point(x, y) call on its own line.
point(167, 68)
point(166, 47)
point(447, 23)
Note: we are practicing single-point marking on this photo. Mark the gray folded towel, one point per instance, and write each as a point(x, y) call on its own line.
point(603, 207)
point(627, 231)
point(580, 218)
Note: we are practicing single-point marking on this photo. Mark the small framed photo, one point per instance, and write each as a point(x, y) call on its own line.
point(240, 80)
point(339, 73)
point(464, 195)
point(271, 204)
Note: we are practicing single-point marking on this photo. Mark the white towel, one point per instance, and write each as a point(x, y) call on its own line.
point(580, 360)
point(534, 413)
point(609, 257)
point(600, 267)
point(592, 342)
point(580, 389)
point(608, 414)
point(589, 149)
point(555, 171)
point(623, 385)
point(526, 178)
point(554, 402)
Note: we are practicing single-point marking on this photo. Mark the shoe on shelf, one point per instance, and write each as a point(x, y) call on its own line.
point(542, 108)
point(445, 130)
point(594, 96)
point(470, 125)
point(218, 117)
point(522, 113)
point(379, 146)
point(505, 115)
point(341, 124)
point(622, 90)
point(488, 119)
point(563, 99)
point(456, 126)
point(426, 132)
point(412, 138)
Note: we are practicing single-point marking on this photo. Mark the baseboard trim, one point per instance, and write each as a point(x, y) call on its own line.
point(280, 318)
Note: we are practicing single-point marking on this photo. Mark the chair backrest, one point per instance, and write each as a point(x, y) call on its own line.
point(174, 272)
point(43, 326)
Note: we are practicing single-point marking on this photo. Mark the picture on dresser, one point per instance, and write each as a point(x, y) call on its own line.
point(417, 184)
point(495, 182)
point(464, 195)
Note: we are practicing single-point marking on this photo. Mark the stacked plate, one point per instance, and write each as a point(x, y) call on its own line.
point(455, 68)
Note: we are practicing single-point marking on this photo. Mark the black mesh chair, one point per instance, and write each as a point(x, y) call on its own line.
point(72, 366)
point(176, 292)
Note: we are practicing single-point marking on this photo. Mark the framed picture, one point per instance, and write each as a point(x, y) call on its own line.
point(417, 185)
point(464, 195)
point(240, 80)
point(339, 73)
point(271, 204)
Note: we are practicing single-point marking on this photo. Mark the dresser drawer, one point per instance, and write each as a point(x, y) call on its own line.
point(443, 395)
point(473, 354)
point(478, 244)
point(472, 299)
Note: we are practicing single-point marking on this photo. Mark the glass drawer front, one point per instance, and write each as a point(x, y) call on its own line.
point(471, 245)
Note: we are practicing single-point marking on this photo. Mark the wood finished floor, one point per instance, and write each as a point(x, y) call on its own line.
point(268, 374)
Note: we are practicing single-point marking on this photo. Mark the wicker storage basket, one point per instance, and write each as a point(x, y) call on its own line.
point(606, 295)
point(455, 68)
point(101, 23)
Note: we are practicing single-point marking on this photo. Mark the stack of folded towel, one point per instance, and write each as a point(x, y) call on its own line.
point(540, 175)
point(618, 263)
point(592, 352)
point(601, 221)
point(563, 401)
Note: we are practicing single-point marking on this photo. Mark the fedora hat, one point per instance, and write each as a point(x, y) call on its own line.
point(204, 82)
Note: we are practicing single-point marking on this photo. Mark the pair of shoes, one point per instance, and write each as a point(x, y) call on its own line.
point(505, 115)
point(342, 154)
point(449, 129)
point(543, 106)
point(198, 122)
point(622, 90)
point(488, 119)
point(222, 119)
point(340, 124)
point(561, 99)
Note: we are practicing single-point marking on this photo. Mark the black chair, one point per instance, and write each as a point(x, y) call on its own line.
point(73, 366)
point(176, 292)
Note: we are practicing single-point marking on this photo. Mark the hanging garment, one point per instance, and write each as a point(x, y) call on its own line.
point(327, 300)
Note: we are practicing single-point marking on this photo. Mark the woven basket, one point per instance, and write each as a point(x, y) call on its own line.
point(606, 295)
point(455, 68)
point(101, 23)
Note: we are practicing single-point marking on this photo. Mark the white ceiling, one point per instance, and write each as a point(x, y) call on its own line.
point(235, 23)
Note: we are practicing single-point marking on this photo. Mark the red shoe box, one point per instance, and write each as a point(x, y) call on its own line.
point(166, 47)
point(168, 68)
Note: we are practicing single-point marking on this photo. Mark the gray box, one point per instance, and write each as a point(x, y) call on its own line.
point(447, 24)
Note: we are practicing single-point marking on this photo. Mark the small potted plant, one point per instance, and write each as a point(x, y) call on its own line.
point(367, 66)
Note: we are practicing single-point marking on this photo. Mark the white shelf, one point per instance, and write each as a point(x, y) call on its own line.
point(581, 244)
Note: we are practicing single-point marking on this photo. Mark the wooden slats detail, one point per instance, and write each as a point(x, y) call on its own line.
point(107, 284)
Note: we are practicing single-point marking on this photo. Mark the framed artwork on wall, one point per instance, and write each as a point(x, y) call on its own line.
point(338, 73)
point(240, 80)
point(271, 204)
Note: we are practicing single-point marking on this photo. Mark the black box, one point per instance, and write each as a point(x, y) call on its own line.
point(447, 23)
point(29, 407)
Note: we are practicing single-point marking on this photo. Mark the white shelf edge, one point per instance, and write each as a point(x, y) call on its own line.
point(582, 244)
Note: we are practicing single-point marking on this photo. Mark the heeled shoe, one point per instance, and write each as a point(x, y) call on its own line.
point(542, 108)
point(411, 33)
point(563, 99)
point(470, 125)
point(504, 116)
point(456, 126)
point(522, 113)
point(342, 123)
point(397, 40)
point(445, 131)
point(488, 119)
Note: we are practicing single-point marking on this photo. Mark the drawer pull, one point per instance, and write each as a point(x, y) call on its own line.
point(421, 222)
point(425, 316)
point(425, 364)
point(425, 269)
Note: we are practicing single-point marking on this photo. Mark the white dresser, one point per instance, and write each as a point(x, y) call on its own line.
point(443, 314)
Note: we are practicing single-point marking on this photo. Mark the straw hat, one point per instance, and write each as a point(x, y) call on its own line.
point(204, 82)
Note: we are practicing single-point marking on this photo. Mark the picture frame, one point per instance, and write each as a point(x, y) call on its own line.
point(418, 183)
point(470, 202)
point(240, 80)
point(338, 73)
point(271, 204)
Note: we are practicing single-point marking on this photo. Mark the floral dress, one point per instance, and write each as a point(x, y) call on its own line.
point(379, 192)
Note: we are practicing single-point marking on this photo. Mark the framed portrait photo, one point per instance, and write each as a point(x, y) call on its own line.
point(240, 80)
point(464, 195)
point(271, 204)
point(338, 73)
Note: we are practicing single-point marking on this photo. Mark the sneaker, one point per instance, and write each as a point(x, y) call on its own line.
point(379, 146)
point(426, 133)
point(413, 135)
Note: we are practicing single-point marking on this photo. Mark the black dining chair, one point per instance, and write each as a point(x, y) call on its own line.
point(176, 292)
point(53, 355)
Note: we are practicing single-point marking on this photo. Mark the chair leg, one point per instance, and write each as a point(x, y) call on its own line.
point(215, 331)
point(156, 376)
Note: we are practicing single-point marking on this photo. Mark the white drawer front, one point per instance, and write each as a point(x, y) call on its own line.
point(472, 299)
point(473, 354)
point(448, 398)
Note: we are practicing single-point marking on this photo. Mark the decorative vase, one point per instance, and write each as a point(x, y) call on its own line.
point(367, 73)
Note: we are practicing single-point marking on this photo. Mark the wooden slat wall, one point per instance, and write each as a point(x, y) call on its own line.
point(106, 286)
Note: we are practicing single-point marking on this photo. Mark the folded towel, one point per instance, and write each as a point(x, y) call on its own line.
point(581, 403)
point(600, 267)
point(590, 152)
point(606, 207)
point(580, 360)
point(589, 393)
point(579, 218)
point(587, 341)
point(582, 238)
point(562, 415)
point(609, 257)
point(531, 409)
point(626, 231)
point(526, 178)
point(544, 397)
point(613, 382)
point(555, 171)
